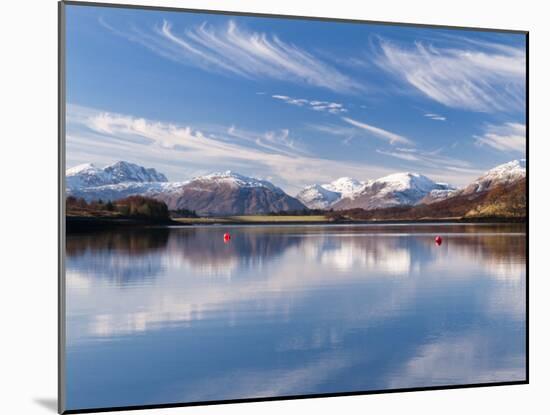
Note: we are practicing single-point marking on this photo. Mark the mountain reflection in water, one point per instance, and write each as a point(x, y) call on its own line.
point(175, 315)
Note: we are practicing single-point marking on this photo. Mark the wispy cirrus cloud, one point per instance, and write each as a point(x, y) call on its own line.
point(433, 158)
point(183, 151)
point(435, 117)
point(333, 129)
point(232, 49)
point(347, 134)
point(480, 76)
point(278, 141)
point(378, 132)
point(435, 164)
point(316, 105)
point(174, 136)
point(509, 137)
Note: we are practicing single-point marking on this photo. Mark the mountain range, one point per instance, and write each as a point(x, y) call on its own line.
point(230, 193)
point(503, 200)
point(393, 190)
point(226, 193)
point(88, 175)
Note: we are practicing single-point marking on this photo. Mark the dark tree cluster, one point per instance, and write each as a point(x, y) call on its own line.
point(140, 206)
point(132, 206)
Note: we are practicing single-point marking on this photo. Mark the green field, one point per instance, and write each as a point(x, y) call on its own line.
point(254, 219)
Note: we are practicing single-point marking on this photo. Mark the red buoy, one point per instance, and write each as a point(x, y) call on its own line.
point(226, 237)
point(438, 240)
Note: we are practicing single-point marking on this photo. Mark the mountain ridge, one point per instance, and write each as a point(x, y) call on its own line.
point(87, 174)
point(223, 193)
point(231, 193)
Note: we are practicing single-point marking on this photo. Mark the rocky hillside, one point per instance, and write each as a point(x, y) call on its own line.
point(401, 195)
point(228, 194)
point(87, 175)
point(225, 193)
point(501, 201)
point(400, 189)
point(324, 196)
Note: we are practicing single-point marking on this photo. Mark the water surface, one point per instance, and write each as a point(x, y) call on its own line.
point(167, 315)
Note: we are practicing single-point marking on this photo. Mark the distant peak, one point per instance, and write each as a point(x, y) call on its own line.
point(402, 176)
point(349, 181)
point(86, 175)
point(81, 168)
point(514, 168)
point(236, 179)
point(227, 173)
point(502, 174)
point(344, 186)
point(344, 179)
point(519, 163)
point(121, 163)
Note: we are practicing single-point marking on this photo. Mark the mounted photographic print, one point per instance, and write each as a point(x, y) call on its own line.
point(258, 207)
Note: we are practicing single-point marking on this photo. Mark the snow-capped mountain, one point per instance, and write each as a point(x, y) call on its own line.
point(236, 180)
point(230, 193)
point(346, 186)
point(121, 190)
point(318, 197)
point(123, 171)
point(84, 175)
point(226, 193)
point(323, 196)
point(437, 195)
point(399, 189)
point(503, 174)
point(88, 175)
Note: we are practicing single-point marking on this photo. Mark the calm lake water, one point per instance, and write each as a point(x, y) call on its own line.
point(166, 315)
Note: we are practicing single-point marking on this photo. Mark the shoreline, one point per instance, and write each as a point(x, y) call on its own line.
point(74, 224)
point(88, 224)
point(362, 222)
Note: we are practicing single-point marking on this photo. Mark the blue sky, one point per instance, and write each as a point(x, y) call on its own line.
point(292, 101)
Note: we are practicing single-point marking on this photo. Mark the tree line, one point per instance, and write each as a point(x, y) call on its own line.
point(132, 207)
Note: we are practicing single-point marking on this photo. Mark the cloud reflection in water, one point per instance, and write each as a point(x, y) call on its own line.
point(294, 310)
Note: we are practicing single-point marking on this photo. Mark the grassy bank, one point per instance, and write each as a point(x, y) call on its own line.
point(256, 219)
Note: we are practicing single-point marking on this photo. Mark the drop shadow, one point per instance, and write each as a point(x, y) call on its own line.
point(48, 403)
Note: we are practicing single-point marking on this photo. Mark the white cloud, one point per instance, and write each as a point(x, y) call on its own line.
point(464, 358)
point(436, 165)
point(378, 132)
point(349, 255)
point(387, 258)
point(277, 141)
point(433, 163)
point(234, 50)
point(435, 117)
point(333, 129)
point(332, 107)
point(487, 78)
point(182, 151)
point(510, 137)
point(429, 158)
